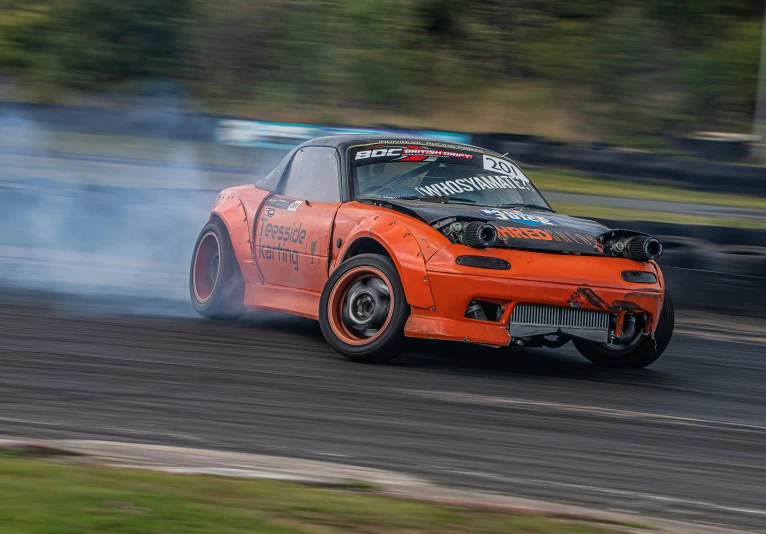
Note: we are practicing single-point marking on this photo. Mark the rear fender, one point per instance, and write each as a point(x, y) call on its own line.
point(239, 221)
point(402, 245)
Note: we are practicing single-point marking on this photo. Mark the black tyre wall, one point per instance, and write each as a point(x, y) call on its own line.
point(227, 300)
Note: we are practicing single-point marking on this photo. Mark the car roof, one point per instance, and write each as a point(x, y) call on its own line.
point(344, 141)
point(340, 140)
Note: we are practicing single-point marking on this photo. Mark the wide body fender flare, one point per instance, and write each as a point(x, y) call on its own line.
point(402, 244)
point(238, 210)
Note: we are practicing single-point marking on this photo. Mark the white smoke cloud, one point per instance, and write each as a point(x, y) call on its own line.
point(97, 226)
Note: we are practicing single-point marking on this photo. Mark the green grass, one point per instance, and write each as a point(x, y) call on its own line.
point(565, 182)
point(42, 497)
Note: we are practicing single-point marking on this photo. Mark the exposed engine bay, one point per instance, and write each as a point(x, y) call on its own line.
point(627, 244)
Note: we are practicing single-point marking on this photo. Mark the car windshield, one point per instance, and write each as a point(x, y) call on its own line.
point(424, 173)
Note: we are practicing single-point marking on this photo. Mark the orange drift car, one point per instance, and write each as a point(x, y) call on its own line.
point(385, 239)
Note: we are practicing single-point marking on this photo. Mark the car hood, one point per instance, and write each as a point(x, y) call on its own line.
point(519, 228)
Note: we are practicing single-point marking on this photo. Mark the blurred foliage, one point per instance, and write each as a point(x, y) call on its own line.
point(627, 67)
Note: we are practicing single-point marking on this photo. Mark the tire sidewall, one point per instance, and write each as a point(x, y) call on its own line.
point(388, 344)
point(644, 353)
point(227, 299)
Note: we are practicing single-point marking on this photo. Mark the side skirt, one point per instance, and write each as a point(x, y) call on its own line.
point(283, 299)
point(481, 332)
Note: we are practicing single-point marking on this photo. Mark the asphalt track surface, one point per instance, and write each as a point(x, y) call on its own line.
point(685, 439)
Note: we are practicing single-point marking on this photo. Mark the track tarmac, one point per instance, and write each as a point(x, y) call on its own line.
point(684, 439)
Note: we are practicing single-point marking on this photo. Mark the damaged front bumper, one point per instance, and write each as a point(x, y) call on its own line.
point(541, 294)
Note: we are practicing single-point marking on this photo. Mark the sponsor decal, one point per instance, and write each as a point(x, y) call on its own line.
point(294, 205)
point(578, 239)
point(419, 152)
point(499, 165)
point(435, 144)
point(312, 262)
point(474, 183)
point(378, 153)
point(312, 250)
point(276, 242)
point(506, 233)
point(511, 232)
point(280, 202)
point(390, 195)
point(517, 216)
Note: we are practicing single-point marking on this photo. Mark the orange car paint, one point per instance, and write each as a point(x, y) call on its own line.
point(292, 246)
point(589, 282)
point(237, 208)
point(436, 287)
point(284, 299)
point(394, 231)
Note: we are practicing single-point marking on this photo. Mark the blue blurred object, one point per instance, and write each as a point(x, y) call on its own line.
point(260, 134)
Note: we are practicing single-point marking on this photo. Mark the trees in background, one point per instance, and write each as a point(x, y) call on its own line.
point(634, 67)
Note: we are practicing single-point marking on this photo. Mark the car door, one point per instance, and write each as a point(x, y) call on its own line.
point(294, 228)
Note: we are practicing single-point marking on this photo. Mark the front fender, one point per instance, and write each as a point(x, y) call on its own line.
point(402, 245)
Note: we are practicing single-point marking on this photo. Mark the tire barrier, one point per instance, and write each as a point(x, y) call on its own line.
point(710, 268)
point(731, 260)
point(682, 252)
point(736, 259)
point(714, 234)
point(633, 165)
point(154, 122)
point(716, 292)
point(731, 149)
point(171, 121)
point(716, 249)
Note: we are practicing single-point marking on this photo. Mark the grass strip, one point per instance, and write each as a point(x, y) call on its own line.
point(622, 214)
point(40, 496)
point(566, 182)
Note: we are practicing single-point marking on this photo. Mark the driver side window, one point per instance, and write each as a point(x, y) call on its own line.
point(314, 175)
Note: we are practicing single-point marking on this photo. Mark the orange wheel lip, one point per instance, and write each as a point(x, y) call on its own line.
point(334, 313)
point(198, 266)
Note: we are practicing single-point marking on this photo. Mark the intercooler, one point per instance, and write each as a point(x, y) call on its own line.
point(536, 319)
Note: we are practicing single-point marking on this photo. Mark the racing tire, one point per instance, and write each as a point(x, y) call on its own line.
point(363, 309)
point(642, 354)
point(216, 284)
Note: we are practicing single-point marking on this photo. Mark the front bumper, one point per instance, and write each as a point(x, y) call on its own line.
point(565, 281)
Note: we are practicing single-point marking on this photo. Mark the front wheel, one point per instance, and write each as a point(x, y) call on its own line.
point(363, 309)
point(641, 352)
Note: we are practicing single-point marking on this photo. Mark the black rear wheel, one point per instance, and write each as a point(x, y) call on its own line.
point(215, 281)
point(642, 351)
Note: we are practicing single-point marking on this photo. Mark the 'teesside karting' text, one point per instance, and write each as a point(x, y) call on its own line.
point(283, 235)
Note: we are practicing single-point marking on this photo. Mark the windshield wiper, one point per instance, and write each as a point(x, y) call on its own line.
point(444, 200)
point(534, 206)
